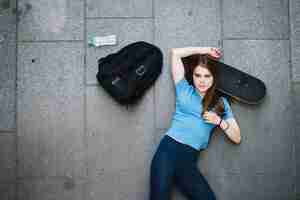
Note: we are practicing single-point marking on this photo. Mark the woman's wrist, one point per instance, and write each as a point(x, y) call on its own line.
point(204, 50)
point(220, 121)
point(224, 125)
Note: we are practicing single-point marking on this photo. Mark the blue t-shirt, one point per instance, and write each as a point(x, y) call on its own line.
point(188, 126)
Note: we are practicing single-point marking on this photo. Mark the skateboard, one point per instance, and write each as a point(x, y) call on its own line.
point(239, 85)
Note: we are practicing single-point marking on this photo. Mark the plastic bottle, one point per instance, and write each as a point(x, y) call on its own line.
point(98, 41)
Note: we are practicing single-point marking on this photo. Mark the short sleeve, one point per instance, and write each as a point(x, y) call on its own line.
point(227, 109)
point(183, 88)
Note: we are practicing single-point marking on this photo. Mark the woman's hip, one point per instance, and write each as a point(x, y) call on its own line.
point(177, 150)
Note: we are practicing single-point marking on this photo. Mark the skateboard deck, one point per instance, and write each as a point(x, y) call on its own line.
point(238, 84)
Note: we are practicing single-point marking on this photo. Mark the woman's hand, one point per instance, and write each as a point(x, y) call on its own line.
point(215, 53)
point(211, 117)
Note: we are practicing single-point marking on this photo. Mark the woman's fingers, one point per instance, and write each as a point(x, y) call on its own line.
point(215, 52)
point(210, 117)
point(207, 118)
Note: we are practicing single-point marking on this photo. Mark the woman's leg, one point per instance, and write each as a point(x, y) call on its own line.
point(162, 170)
point(193, 184)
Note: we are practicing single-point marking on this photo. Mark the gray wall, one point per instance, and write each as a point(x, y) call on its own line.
point(62, 137)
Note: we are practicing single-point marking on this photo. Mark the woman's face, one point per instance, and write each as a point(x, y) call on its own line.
point(202, 79)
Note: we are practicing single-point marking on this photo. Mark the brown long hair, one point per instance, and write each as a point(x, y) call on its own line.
point(211, 100)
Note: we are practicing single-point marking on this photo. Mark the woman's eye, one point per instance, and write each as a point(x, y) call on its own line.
point(206, 76)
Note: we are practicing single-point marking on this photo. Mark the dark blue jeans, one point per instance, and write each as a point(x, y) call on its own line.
point(176, 163)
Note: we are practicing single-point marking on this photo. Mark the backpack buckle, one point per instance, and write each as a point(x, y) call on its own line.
point(141, 70)
point(116, 80)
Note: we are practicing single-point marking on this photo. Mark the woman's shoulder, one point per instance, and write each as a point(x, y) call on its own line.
point(226, 102)
point(183, 85)
point(228, 113)
point(183, 89)
point(225, 99)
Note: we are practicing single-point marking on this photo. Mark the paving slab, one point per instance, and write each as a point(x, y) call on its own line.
point(124, 184)
point(266, 131)
point(256, 19)
point(7, 157)
point(177, 24)
point(295, 38)
point(59, 188)
point(8, 18)
point(50, 109)
point(132, 186)
point(7, 191)
point(105, 187)
point(295, 60)
point(296, 127)
point(50, 20)
point(119, 138)
point(8, 85)
point(253, 186)
point(7, 65)
point(119, 8)
point(126, 30)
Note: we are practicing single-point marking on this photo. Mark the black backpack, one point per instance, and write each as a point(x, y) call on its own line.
point(128, 73)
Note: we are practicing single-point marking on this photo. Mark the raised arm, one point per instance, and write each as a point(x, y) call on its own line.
point(178, 53)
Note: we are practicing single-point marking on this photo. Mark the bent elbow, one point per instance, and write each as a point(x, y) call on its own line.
point(238, 140)
point(172, 51)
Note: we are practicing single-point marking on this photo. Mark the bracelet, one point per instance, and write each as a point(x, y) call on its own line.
point(220, 122)
point(227, 126)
